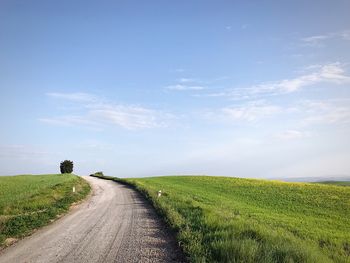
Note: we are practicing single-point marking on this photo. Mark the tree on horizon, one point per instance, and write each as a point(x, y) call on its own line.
point(66, 167)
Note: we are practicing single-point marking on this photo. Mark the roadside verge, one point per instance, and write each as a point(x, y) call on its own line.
point(166, 213)
point(28, 202)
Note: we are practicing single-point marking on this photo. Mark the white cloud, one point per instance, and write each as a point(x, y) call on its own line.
point(96, 114)
point(78, 96)
point(333, 73)
point(181, 87)
point(329, 73)
point(314, 41)
point(292, 135)
point(72, 120)
point(248, 112)
point(318, 40)
point(309, 113)
point(214, 94)
point(129, 117)
point(186, 84)
point(186, 80)
point(327, 111)
point(345, 35)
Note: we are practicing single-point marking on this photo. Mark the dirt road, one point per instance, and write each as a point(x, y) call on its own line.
point(114, 225)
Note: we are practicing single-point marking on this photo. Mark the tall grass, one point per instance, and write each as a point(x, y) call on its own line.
point(340, 183)
point(31, 201)
point(222, 219)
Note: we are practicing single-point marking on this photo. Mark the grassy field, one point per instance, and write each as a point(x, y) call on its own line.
point(220, 219)
point(31, 201)
point(340, 183)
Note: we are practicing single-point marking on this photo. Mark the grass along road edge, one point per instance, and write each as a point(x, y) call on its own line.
point(153, 201)
point(247, 231)
point(28, 202)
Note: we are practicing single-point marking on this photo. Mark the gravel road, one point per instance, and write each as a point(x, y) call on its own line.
point(114, 225)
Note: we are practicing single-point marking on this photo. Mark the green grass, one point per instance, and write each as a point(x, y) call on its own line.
point(28, 202)
point(220, 219)
point(340, 183)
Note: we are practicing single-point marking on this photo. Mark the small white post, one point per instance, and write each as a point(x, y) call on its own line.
point(159, 193)
point(73, 189)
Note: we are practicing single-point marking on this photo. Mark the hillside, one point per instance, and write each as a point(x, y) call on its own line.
point(340, 183)
point(31, 201)
point(244, 220)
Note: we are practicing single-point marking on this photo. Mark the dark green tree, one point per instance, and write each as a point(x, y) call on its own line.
point(66, 167)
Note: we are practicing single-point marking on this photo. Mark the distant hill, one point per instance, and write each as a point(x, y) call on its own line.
point(341, 178)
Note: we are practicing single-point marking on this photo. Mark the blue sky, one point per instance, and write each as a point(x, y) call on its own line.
point(142, 88)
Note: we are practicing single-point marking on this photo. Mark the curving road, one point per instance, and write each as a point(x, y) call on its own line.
point(114, 225)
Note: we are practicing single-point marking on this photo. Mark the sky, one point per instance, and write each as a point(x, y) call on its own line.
point(144, 88)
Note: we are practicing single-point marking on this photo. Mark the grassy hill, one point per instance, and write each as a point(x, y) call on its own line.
point(30, 201)
point(220, 219)
point(340, 183)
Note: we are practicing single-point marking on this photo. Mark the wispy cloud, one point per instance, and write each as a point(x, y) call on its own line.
point(184, 87)
point(314, 41)
point(327, 111)
point(248, 112)
point(251, 111)
point(187, 80)
point(307, 113)
point(187, 84)
point(72, 120)
point(318, 40)
point(96, 113)
point(130, 117)
point(242, 27)
point(292, 135)
point(329, 73)
point(78, 96)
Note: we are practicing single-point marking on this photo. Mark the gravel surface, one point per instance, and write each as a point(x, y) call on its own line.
point(115, 224)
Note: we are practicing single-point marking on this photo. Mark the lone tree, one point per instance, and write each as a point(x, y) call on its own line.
point(66, 167)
